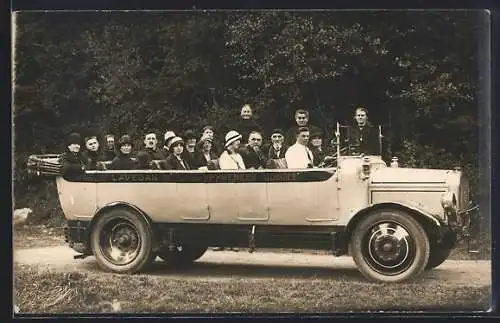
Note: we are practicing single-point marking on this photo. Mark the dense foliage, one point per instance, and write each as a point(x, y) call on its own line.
point(416, 71)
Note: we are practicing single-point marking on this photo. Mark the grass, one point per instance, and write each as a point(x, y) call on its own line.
point(44, 291)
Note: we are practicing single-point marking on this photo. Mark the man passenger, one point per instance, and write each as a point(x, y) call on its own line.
point(109, 149)
point(150, 144)
point(299, 155)
point(252, 154)
point(92, 155)
point(275, 151)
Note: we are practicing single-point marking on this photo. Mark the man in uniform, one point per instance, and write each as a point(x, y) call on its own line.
point(363, 136)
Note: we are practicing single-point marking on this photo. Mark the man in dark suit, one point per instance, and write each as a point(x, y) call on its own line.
point(252, 155)
point(301, 120)
point(363, 136)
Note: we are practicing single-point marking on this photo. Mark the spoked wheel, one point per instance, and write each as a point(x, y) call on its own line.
point(390, 246)
point(121, 241)
point(182, 255)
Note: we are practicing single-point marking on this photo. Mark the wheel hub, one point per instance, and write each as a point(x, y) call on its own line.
point(120, 243)
point(388, 247)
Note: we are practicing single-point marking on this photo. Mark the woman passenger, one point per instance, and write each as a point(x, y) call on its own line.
point(122, 159)
point(204, 153)
point(175, 160)
point(230, 158)
point(72, 160)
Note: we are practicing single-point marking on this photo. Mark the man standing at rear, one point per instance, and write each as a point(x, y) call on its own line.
point(363, 136)
point(301, 120)
point(299, 155)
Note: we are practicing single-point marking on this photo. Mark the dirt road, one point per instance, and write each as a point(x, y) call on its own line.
point(224, 265)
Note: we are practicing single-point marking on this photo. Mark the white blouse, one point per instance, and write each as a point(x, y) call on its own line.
point(231, 161)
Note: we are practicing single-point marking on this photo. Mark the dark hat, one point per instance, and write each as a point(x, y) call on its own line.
point(277, 130)
point(202, 141)
point(125, 139)
point(74, 138)
point(317, 134)
point(189, 134)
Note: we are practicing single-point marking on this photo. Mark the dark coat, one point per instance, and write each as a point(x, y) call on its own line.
point(154, 154)
point(199, 159)
point(189, 157)
point(93, 159)
point(363, 140)
point(319, 156)
point(253, 159)
point(122, 162)
point(271, 153)
point(291, 134)
point(72, 163)
point(173, 163)
point(108, 154)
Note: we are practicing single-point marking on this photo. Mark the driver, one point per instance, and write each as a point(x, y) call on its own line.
point(362, 135)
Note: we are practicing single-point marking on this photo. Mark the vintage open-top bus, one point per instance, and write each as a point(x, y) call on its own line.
point(395, 222)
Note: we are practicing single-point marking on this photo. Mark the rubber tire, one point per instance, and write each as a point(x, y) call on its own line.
point(188, 255)
point(437, 257)
point(415, 230)
point(143, 259)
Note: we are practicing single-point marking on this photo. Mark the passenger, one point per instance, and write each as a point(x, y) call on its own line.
point(276, 150)
point(92, 156)
point(169, 135)
point(301, 120)
point(143, 161)
point(151, 149)
point(246, 124)
point(72, 160)
point(316, 146)
point(175, 160)
point(109, 149)
point(122, 159)
point(209, 132)
point(252, 154)
point(363, 137)
point(299, 155)
point(204, 153)
point(189, 153)
point(230, 158)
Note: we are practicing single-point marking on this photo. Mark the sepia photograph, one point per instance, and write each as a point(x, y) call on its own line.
point(251, 161)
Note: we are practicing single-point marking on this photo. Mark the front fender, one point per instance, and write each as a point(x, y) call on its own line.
point(415, 209)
